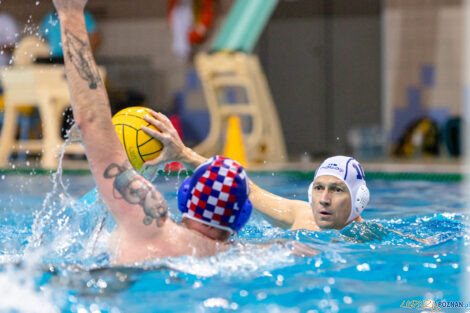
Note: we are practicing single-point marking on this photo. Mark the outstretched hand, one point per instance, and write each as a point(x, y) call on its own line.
point(173, 147)
point(74, 5)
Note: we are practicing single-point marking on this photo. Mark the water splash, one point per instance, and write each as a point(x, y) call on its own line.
point(19, 290)
point(54, 205)
point(65, 228)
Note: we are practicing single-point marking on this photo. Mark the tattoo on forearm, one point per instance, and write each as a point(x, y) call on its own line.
point(79, 54)
point(135, 189)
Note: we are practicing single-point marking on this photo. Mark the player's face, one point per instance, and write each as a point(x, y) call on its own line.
point(331, 202)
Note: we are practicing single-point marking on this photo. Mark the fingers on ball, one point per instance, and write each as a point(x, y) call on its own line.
point(154, 122)
point(164, 119)
point(151, 132)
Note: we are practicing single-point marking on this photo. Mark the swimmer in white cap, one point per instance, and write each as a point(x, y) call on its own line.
point(338, 193)
point(337, 196)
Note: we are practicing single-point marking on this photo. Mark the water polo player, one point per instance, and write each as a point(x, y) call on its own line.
point(337, 195)
point(214, 201)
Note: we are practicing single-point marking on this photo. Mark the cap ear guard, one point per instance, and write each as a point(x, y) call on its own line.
point(362, 198)
point(243, 216)
point(183, 194)
point(360, 203)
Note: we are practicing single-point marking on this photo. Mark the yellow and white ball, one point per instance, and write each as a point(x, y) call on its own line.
point(139, 146)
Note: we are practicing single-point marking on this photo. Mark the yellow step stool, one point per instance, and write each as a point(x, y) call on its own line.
point(221, 71)
point(44, 87)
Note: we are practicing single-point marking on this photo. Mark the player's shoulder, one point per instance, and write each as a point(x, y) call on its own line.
point(301, 207)
point(303, 217)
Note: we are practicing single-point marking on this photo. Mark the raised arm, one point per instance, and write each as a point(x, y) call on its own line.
point(130, 198)
point(279, 211)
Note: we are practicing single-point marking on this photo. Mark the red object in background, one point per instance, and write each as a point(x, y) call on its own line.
point(175, 120)
point(174, 167)
point(203, 18)
point(197, 34)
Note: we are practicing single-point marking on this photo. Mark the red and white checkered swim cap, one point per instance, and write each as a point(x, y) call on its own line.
point(217, 195)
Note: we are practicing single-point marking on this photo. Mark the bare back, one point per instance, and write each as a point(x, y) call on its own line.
point(173, 240)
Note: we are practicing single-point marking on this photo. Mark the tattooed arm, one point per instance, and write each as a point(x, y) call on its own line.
point(132, 200)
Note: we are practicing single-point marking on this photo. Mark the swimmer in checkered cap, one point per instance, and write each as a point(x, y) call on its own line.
point(214, 201)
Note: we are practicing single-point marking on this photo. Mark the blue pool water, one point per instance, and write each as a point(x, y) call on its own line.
point(53, 255)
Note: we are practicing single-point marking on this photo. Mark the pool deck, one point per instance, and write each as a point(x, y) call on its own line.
point(424, 165)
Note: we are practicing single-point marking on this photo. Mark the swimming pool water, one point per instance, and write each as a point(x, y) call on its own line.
point(53, 255)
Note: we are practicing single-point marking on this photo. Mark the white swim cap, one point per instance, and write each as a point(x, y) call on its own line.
point(351, 173)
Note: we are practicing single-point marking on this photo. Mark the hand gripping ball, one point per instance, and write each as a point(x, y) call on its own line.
point(139, 146)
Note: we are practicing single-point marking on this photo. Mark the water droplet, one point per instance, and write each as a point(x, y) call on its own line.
point(364, 267)
point(37, 2)
point(347, 300)
point(261, 296)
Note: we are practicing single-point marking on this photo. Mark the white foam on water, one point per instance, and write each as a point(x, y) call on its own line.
point(20, 296)
point(10, 258)
point(19, 292)
point(241, 261)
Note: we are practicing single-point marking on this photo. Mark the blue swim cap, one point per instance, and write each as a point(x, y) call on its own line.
point(217, 195)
